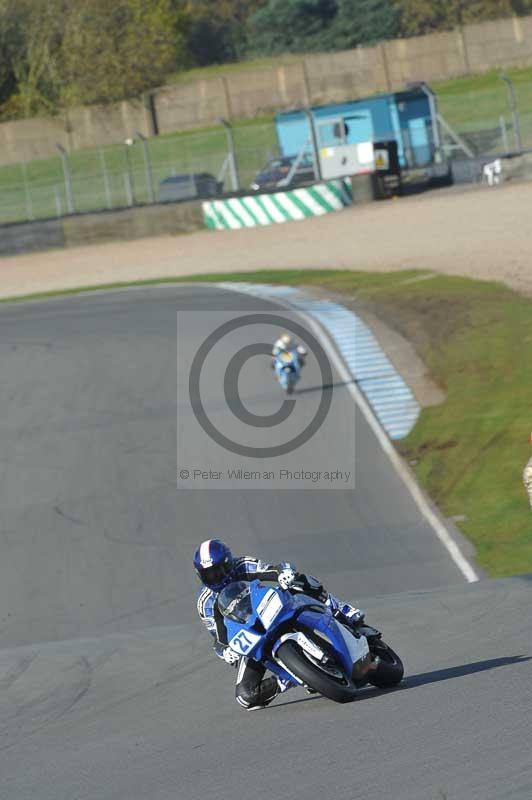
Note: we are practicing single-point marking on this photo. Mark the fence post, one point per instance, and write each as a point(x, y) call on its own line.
point(232, 155)
point(128, 189)
point(29, 206)
point(385, 65)
point(465, 51)
point(130, 185)
point(515, 113)
point(504, 134)
point(314, 142)
point(71, 208)
point(58, 203)
point(434, 122)
point(227, 97)
point(306, 83)
point(147, 166)
point(105, 178)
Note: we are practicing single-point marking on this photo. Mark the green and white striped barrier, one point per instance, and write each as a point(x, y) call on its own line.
point(270, 209)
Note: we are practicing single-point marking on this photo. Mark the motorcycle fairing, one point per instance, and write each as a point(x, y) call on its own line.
point(273, 614)
point(346, 645)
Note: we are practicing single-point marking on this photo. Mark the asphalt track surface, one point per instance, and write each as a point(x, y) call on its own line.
point(108, 688)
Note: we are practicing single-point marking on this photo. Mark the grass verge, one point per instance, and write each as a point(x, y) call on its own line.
point(469, 452)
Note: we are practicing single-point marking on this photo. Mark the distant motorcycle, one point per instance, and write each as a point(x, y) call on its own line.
point(288, 369)
point(298, 639)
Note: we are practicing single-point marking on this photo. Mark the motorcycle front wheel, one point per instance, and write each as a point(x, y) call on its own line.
point(390, 669)
point(336, 687)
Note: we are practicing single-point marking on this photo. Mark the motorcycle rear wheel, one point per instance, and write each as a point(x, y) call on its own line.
point(297, 662)
point(390, 669)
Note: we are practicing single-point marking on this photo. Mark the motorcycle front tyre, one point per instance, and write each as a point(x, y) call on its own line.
point(298, 664)
point(390, 668)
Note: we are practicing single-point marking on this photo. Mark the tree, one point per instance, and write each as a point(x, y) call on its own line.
point(7, 77)
point(362, 22)
point(64, 52)
point(291, 25)
point(115, 50)
point(418, 17)
point(217, 32)
point(424, 16)
point(522, 7)
point(31, 34)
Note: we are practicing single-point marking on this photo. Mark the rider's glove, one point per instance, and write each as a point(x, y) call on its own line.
point(286, 578)
point(229, 656)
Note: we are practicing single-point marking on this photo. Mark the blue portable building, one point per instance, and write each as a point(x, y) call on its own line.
point(408, 117)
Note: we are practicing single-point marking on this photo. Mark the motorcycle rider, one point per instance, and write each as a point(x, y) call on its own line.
point(216, 567)
point(288, 344)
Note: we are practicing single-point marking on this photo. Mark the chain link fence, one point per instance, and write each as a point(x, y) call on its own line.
point(134, 172)
point(493, 121)
point(496, 120)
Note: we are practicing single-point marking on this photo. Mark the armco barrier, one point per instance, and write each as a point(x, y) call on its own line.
point(162, 219)
point(29, 237)
point(269, 209)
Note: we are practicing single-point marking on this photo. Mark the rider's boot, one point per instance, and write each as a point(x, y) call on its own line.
point(267, 691)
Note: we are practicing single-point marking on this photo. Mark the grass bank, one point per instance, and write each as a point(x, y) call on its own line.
point(468, 452)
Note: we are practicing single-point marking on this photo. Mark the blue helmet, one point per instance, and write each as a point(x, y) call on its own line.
point(214, 562)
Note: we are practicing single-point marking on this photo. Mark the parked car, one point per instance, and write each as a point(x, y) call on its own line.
point(189, 187)
point(278, 169)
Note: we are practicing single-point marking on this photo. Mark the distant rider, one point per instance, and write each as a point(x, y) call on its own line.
point(286, 343)
point(216, 567)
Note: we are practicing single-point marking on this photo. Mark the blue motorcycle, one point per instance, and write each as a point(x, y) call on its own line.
point(299, 640)
point(287, 367)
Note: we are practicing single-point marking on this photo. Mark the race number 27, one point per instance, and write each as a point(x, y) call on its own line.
point(242, 642)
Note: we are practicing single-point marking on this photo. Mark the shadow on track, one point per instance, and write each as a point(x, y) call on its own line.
point(412, 681)
point(273, 395)
point(424, 678)
point(323, 387)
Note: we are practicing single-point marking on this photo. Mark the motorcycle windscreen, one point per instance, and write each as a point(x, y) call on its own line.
point(234, 602)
